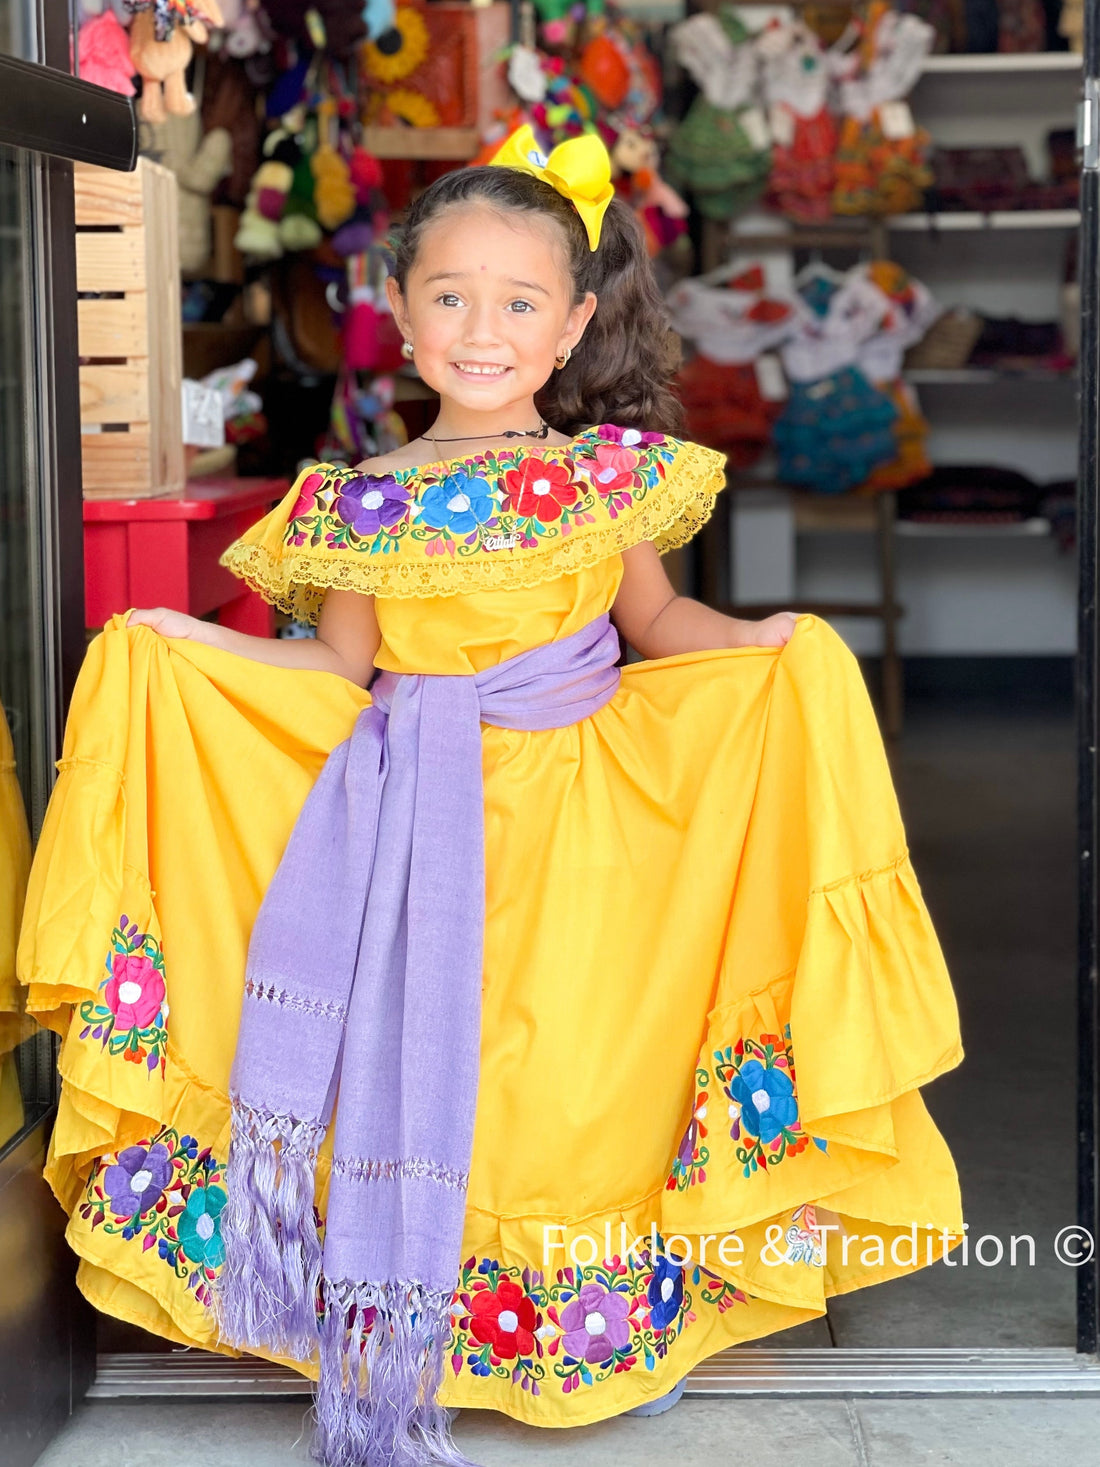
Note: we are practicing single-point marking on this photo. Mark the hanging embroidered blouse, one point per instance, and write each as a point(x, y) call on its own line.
point(509, 518)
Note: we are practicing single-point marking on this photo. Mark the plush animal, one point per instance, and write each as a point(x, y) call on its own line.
point(229, 101)
point(161, 49)
point(244, 32)
point(103, 49)
point(199, 163)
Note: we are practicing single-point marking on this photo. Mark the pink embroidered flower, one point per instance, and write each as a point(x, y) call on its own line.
point(135, 991)
point(614, 469)
point(306, 503)
point(627, 437)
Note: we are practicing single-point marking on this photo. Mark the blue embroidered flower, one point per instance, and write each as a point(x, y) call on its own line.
point(666, 1291)
point(766, 1098)
point(200, 1231)
point(458, 503)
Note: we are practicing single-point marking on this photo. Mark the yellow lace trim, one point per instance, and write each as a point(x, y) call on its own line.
point(296, 580)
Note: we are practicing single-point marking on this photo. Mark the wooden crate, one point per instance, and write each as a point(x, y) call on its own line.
point(129, 331)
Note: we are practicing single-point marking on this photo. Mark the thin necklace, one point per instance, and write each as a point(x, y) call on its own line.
point(540, 432)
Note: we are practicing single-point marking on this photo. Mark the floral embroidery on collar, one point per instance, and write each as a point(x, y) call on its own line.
point(484, 504)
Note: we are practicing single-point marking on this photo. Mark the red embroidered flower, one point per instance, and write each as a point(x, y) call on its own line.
point(505, 1318)
point(305, 503)
point(541, 488)
point(614, 469)
point(135, 991)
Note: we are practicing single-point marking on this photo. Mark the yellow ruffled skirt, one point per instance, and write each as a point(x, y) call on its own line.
point(711, 994)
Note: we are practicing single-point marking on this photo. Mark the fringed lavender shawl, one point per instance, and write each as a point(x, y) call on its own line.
point(364, 974)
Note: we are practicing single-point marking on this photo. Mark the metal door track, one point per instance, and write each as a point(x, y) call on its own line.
point(741, 1371)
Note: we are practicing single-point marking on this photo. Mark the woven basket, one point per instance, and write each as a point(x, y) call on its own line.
point(948, 342)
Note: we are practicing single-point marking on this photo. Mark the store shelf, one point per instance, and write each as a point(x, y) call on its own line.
point(984, 376)
point(1018, 530)
point(996, 64)
point(423, 144)
point(999, 219)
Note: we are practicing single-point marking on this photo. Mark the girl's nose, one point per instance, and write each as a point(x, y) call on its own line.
point(482, 325)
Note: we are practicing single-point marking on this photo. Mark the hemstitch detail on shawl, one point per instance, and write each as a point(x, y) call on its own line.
point(364, 1169)
point(319, 1008)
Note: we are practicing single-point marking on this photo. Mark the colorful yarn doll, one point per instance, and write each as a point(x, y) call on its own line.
point(453, 1009)
point(732, 322)
point(721, 150)
point(836, 427)
point(882, 158)
point(804, 131)
point(909, 311)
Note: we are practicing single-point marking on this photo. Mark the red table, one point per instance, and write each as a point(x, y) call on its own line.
point(164, 552)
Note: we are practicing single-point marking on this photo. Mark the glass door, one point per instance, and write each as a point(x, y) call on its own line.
point(46, 119)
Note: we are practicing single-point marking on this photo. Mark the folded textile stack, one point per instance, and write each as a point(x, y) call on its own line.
point(970, 495)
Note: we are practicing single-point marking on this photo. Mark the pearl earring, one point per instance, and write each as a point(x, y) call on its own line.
point(560, 362)
point(407, 350)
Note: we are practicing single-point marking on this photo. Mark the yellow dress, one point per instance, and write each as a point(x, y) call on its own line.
point(711, 986)
point(15, 859)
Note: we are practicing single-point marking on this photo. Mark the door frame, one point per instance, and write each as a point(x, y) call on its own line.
point(738, 1371)
point(47, 1337)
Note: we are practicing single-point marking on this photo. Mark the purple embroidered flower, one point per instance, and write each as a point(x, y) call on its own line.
point(595, 1324)
point(666, 1291)
point(200, 1231)
point(372, 502)
point(137, 1179)
point(459, 503)
point(627, 437)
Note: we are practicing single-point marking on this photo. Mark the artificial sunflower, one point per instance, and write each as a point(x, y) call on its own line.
point(397, 53)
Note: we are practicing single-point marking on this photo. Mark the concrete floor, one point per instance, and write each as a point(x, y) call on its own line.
point(988, 798)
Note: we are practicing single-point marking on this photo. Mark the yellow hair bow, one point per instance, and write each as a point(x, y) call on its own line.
point(579, 168)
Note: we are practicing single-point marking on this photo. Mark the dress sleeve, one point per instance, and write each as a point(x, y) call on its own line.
point(493, 521)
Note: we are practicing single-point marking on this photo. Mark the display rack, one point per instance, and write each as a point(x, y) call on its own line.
point(997, 99)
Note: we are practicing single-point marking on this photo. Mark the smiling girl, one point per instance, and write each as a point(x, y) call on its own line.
point(550, 936)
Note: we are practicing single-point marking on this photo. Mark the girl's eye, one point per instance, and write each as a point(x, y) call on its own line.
point(521, 307)
point(448, 298)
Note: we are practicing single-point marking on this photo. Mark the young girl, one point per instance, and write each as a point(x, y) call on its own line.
point(548, 936)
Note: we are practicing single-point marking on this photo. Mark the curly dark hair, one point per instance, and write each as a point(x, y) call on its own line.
point(621, 370)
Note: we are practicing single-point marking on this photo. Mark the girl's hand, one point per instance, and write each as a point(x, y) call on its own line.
point(167, 623)
point(773, 631)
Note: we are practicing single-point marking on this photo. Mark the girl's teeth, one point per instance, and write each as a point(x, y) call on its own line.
point(481, 371)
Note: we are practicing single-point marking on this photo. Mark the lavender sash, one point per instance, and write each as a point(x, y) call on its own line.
point(364, 972)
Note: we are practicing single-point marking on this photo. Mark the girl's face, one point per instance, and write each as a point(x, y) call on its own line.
point(488, 305)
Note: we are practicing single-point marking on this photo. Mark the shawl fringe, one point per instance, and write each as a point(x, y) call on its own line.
point(382, 1356)
point(268, 1287)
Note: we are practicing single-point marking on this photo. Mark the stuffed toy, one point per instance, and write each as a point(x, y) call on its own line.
point(121, 11)
point(199, 163)
point(161, 37)
point(258, 233)
point(280, 211)
point(103, 50)
point(229, 101)
point(660, 209)
point(244, 31)
point(341, 21)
